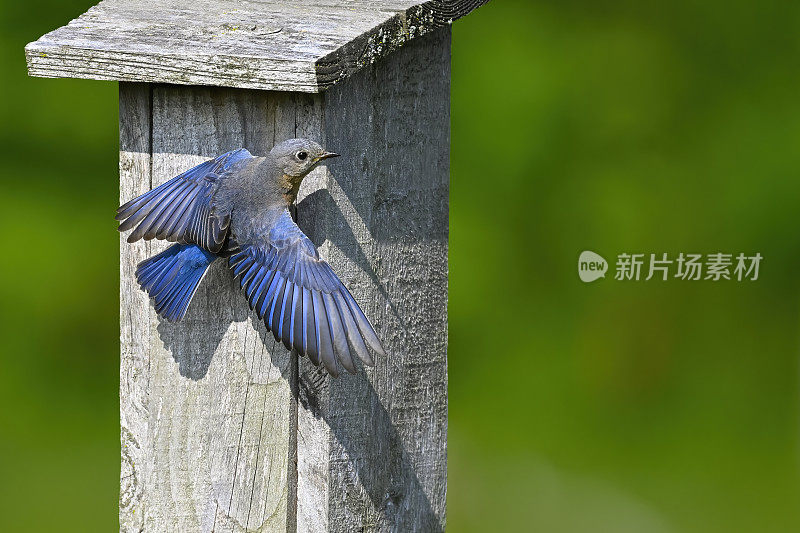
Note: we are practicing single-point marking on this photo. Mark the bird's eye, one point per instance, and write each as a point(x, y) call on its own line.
point(301, 155)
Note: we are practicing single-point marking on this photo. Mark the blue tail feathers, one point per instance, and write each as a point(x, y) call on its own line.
point(171, 278)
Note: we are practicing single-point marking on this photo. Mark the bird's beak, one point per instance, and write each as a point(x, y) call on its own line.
point(328, 155)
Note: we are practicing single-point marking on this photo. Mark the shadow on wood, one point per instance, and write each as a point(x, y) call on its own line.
point(194, 359)
point(381, 464)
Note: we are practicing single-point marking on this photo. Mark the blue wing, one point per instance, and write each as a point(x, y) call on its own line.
point(301, 299)
point(172, 277)
point(182, 209)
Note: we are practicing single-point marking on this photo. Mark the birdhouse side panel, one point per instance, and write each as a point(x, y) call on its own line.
point(372, 446)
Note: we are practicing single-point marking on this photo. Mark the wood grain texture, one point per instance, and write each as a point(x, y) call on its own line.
point(303, 45)
point(134, 316)
point(222, 429)
point(372, 446)
point(207, 411)
point(446, 11)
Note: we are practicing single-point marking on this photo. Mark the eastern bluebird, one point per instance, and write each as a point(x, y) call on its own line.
point(237, 207)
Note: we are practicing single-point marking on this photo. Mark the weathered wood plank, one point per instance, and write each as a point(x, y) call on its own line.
point(372, 446)
point(208, 416)
point(304, 45)
point(134, 179)
point(446, 11)
point(213, 439)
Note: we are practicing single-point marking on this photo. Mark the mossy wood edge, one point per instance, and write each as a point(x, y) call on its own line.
point(302, 45)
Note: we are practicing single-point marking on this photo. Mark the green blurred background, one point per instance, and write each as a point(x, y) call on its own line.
point(621, 407)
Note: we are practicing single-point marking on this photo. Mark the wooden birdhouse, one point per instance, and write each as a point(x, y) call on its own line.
point(222, 428)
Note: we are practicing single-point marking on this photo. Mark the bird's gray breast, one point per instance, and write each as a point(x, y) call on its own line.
point(250, 193)
point(253, 224)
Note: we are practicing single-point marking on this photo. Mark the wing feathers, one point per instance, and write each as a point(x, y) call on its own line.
point(181, 204)
point(142, 211)
point(304, 304)
point(270, 295)
point(324, 335)
point(338, 335)
point(158, 216)
point(363, 324)
point(183, 209)
point(283, 330)
point(245, 281)
point(353, 334)
point(275, 310)
point(294, 310)
point(309, 328)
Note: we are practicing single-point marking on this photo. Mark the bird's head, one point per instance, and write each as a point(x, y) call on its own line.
point(298, 157)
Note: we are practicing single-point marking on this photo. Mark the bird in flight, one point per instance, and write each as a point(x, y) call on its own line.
point(236, 207)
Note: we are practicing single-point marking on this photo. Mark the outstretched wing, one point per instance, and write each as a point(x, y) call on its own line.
point(182, 209)
point(301, 299)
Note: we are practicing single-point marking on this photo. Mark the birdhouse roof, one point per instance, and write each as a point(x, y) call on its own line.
point(288, 45)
